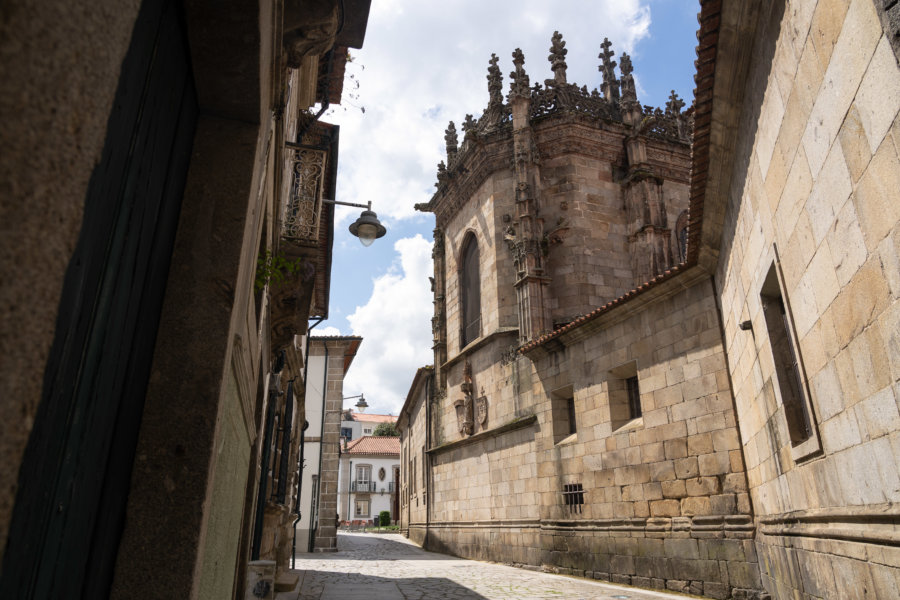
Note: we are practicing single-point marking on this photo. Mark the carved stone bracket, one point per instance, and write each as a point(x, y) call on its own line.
point(310, 28)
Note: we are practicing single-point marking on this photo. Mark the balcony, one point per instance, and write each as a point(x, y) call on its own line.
point(362, 486)
point(390, 487)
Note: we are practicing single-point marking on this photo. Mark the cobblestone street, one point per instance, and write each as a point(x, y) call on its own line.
point(388, 566)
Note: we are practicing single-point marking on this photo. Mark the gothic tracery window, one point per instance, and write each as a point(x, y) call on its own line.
point(470, 291)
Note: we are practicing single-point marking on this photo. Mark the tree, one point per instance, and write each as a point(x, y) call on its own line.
point(386, 430)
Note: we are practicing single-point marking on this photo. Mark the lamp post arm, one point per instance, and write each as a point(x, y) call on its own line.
point(366, 206)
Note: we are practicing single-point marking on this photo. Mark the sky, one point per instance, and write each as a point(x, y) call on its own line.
point(424, 64)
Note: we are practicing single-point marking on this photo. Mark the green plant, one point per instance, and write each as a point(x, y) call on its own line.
point(386, 430)
point(272, 268)
point(384, 518)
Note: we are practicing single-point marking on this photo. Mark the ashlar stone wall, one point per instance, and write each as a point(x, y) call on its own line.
point(665, 500)
point(815, 201)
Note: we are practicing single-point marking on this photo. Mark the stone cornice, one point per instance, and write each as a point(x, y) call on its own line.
point(478, 343)
point(481, 436)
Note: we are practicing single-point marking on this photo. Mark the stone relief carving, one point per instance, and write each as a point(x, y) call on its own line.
point(481, 409)
point(465, 418)
point(310, 27)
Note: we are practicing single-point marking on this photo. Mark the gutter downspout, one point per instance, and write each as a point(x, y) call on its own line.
point(349, 485)
point(427, 466)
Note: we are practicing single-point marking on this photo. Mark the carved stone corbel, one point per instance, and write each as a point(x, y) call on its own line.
point(310, 28)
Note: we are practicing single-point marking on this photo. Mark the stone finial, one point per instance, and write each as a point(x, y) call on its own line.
point(452, 141)
point(495, 81)
point(521, 85)
point(441, 174)
point(674, 105)
point(607, 68)
point(629, 94)
point(557, 58)
point(469, 124)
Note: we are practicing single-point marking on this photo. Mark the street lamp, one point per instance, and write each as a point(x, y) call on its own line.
point(361, 405)
point(367, 227)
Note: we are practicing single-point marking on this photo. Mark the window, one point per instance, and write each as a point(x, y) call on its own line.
point(347, 432)
point(562, 413)
point(681, 235)
point(362, 508)
point(634, 397)
point(367, 431)
point(624, 391)
point(469, 291)
point(570, 409)
point(789, 372)
point(573, 497)
point(363, 478)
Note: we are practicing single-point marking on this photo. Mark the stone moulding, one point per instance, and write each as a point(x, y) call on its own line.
point(507, 523)
point(712, 526)
point(519, 423)
point(878, 524)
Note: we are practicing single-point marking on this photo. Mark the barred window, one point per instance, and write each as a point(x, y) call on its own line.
point(573, 497)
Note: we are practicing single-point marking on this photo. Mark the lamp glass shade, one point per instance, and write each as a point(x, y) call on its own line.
point(367, 228)
point(367, 233)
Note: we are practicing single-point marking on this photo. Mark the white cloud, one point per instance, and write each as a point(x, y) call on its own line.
point(424, 64)
point(395, 325)
point(325, 331)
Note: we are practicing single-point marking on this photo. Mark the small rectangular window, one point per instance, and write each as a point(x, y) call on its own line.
point(789, 372)
point(634, 397)
point(624, 390)
point(562, 413)
point(570, 407)
point(362, 508)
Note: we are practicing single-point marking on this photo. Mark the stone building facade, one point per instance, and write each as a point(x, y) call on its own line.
point(157, 155)
point(679, 369)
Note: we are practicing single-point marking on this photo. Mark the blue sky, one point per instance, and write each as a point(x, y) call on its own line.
point(422, 65)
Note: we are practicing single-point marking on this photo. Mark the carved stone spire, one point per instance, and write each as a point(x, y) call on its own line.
point(452, 143)
point(557, 58)
point(441, 174)
point(520, 86)
point(674, 105)
point(628, 92)
point(495, 82)
point(607, 68)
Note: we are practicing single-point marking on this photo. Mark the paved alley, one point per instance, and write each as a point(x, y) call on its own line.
point(388, 566)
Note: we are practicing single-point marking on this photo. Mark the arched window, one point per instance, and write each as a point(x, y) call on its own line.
point(469, 291)
point(681, 235)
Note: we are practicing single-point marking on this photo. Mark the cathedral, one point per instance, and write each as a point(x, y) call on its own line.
point(666, 347)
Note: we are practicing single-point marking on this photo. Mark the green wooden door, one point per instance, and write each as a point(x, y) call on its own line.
point(75, 477)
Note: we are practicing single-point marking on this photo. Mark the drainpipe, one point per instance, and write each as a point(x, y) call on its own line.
point(349, 485)
point(427, 464)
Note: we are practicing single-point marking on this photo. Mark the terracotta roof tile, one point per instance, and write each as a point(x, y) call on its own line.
point(363, 418)
point(374, 445)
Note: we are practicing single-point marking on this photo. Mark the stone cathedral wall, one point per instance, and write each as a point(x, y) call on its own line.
point(816, 191)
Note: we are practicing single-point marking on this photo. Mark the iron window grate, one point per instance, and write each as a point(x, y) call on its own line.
point(573, 497)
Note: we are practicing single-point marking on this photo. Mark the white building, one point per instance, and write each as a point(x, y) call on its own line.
point(354, 425)
point(324, 396)
point(370, 470)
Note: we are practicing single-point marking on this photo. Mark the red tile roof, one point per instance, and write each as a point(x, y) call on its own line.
point(374, 445)
point(362, 418)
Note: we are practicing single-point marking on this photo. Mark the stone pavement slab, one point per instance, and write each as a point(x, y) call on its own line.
point(388, 566)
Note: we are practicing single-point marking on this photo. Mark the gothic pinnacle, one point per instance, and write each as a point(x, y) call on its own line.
point(557, 58)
